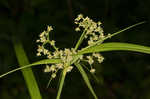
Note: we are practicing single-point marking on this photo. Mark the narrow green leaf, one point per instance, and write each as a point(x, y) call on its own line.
point(85, 77)
point(27, 73)
point(62, 79)
point(116, 46)
point(44, 61)
point(127, 28)
point(80, 39)
point(47, 61)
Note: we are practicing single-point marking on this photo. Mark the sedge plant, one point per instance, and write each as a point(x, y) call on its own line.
point(64, 60)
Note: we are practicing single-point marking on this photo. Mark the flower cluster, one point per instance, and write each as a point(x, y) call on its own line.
point(65, 55)
point(90, 60)
point(44, 39)
point(93, 30)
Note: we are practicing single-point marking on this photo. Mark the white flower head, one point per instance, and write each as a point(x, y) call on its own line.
point(92, 29)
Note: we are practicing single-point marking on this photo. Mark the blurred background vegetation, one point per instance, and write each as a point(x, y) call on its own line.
point(123, 75)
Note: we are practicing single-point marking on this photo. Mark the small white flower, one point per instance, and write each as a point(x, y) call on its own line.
point(49, 56)
point(42, 34)
point(67, 51)
point(90, 42)
point(96, 55)
point(47, 69)
point(100, 59)
point(43, 39)
point(101, 36)
point(77, 29)
point(95, 37)
point(69, 58)
point(81, 57)
point(49, 28)
point(59, 66)
point(52, 43)
point(53, 75)
point(90, 60)
point(80, 16)
point(56, 54)
point(40, 49)
point(53, 68)
point(37, 41)
point(61, 53)
point(99, 23)
point(109, 35)
point(69, 68)
point(92, 70)
point(73, 51)
point(38, 54)
point(45, 51)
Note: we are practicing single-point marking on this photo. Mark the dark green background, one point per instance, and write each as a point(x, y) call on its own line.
point(123, 75)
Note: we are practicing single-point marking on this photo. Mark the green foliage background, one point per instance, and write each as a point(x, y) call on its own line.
point(123, 75)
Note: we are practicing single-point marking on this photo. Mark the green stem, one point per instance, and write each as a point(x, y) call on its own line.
point(61, 83)
point(80, 39)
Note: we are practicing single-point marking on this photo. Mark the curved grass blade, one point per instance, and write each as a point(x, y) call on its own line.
point(85, 77)
point(27, 73)
point(127, 28)
point(115, 47)
point(62, 79)
point(45, 61)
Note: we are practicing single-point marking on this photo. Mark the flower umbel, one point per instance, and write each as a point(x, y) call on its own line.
point(93, 32)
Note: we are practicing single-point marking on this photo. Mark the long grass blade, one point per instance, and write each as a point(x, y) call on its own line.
point(85, 77)
point(127, 28)
point(44, 61)
point(114, 46)
point(27, 73)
